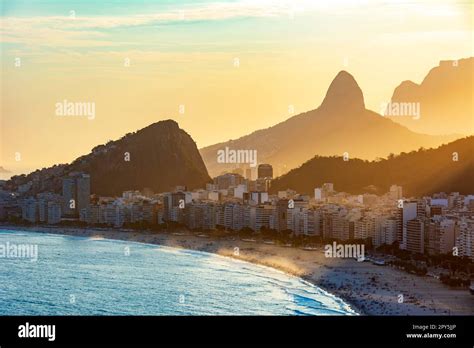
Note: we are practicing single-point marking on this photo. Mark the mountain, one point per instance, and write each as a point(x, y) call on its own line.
point(445, 97)
point(341, 124)
point(420, 172)
point(160, 157)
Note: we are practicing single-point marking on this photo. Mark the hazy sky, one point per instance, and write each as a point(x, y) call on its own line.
point(236, 66)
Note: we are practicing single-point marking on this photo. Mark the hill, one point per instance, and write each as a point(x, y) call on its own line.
point(160, 157)
point(420, 172)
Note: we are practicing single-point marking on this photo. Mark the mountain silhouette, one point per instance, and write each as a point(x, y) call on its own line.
point(341, 124)
point(160, 157)
point(446, 98)
point(344, 94)
point(420, 172)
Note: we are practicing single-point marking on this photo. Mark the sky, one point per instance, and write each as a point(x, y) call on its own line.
point(221, 69)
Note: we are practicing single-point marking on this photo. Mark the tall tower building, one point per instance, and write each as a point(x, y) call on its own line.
point(76, 194)
point(265, 171)
point(396, 192)
point(83, 185)
point(415, 232)
point(69, 196)
point(404, 214)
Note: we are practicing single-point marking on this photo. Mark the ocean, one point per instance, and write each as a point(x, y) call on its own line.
point(87, 276)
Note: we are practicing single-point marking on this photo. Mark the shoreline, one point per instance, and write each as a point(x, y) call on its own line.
point(368, 289)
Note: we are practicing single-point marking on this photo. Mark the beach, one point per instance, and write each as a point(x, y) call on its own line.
point(368, 288)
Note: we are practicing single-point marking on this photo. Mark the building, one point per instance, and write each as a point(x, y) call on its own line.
point(404, 214)
point(318, 194)
point(76, 194)
point(227, 180)
point(255, 197)
point(200, 216)
point(385, 231)
point(280, 216)
point(30, 210)
point(54, 212)
point(415, 236)
point(440, 236)
point(174, 204)
point(304, 221)
point(396, 192)
point(260, 216)
point(83, 185)
point(265, 171)
point(69, 196)
point(328, 188)
point(465, 238)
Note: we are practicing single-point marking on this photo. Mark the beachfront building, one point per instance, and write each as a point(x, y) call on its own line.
point(415, 236)
point(305, 221)
point(404, 214)
point(278, 220)
point(465, 238)
point(76, 194)
point(30, 210)
point(258, 217)
point(54, 212)
point(441, 236)
point(200, 216)
point(387, 233)
point(174, 204)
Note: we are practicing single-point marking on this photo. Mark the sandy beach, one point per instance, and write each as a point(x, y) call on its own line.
point(370, 289)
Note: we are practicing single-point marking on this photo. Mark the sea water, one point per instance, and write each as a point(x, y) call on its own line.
point(90, 276)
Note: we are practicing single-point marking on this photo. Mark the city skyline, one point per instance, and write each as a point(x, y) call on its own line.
point(213, 165)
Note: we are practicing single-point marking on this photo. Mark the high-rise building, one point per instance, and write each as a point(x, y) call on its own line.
point(30, 210)
point(318, 194)
point(396, 192)
point(174, 204)
point(465, 238)
point(54, 212)
point(404, 214)
point(76, 194)
point(415, 236)
point(227, 180)
point(441, 236)
point(387, 232)
point(280, 215)
point(255, 197)
point(83, 184)
point(260, 216)
point(328, 187)
point(436, 210)
point(69, 196)
point(265, 171)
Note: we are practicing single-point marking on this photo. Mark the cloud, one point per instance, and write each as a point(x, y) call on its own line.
point(94, 31)
point(78, 31)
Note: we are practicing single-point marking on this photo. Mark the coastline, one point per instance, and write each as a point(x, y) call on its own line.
point(367, 288)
